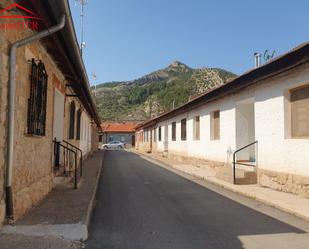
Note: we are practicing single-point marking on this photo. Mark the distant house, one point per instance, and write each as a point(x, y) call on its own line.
point(123, 132)
point(258, 122)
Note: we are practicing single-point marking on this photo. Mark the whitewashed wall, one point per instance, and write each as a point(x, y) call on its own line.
point(276, 150)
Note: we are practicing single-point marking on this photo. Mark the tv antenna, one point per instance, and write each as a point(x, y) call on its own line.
point(94, 76)
point(268, 56)
point(82, 6)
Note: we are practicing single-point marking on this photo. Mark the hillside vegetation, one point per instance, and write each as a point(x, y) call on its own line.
point(156, 92)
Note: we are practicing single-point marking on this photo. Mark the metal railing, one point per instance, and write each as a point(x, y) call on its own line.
point(67, 160)
point(80, 158)
point(234, 159)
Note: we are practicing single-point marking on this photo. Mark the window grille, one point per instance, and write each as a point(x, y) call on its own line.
point(36, 120)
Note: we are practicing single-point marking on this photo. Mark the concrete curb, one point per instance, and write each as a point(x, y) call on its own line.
point(232, 188)
point(74, 232)
point(92, 203)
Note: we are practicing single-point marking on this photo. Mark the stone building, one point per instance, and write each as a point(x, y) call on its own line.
point(264, 113)
point(52, 102)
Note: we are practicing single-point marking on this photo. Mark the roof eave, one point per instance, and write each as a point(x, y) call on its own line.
point(53, 9)
point(286, 62)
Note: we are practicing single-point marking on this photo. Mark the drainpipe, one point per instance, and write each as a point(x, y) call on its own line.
point(11, 109)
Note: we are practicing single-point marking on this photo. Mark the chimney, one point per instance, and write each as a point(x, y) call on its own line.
point(257, 59)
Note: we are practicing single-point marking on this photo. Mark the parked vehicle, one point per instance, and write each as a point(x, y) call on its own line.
point(113, 145)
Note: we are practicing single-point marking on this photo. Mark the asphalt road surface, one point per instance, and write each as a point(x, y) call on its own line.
point(142, 205)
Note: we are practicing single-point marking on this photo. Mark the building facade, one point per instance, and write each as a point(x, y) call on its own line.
point(268, 107)
point(52, 100)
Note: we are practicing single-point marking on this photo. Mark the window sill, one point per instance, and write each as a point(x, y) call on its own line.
point(297, 138)
point(34, 136)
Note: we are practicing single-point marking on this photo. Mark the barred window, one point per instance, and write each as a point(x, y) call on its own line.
point(36, 120)
point(72, 120)
point(79, 114)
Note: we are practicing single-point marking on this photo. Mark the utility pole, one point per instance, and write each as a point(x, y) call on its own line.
point(82, 6)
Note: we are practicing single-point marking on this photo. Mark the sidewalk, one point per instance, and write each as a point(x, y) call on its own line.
point(64, 213)
point(290, 203)
point(17, 241)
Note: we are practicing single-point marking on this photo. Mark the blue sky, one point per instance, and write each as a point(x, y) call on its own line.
point(129, 38)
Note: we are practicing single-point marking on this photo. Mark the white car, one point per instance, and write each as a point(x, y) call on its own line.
point(113, 145)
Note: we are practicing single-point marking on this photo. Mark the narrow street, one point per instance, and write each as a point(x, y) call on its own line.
point(144, 206)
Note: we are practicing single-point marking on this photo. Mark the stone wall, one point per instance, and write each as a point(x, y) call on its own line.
point(94, 138)
point(143, 146)
point(33, 155)
point(285, 182)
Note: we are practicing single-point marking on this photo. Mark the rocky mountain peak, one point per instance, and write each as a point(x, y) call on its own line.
point(178, 66)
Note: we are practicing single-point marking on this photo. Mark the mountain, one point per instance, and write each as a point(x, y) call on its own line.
point(156, 92)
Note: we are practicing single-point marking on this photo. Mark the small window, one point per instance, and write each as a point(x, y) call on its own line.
point(36, 120)
point(174, 131)
point(155, 135)
point(160, 133)
point(79, 114)
point(184, 129)
point(300, 112)
point(215, 125)
point(72, 120)
point(196, 128)
point(100, 138)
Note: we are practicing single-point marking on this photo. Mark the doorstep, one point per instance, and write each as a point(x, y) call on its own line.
point(64, 212)
point(290, 203)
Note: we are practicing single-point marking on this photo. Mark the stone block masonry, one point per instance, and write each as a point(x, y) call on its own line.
point(284, 182)
point(33, 155)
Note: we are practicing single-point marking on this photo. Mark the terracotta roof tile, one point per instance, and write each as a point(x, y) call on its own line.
point(119, 127)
